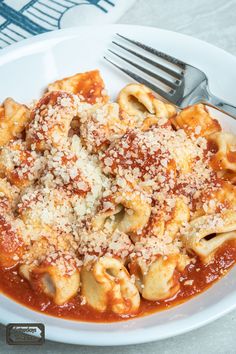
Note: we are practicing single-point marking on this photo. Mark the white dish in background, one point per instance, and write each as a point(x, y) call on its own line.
point(25, 69)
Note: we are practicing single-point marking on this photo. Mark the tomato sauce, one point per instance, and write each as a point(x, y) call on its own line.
point(203, 276)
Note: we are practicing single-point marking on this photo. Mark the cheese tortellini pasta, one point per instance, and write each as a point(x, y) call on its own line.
point(107, 206)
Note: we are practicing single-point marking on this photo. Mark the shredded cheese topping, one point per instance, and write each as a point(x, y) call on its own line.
point(83, 182)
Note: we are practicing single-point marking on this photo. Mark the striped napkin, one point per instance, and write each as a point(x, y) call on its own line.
point(20, 19)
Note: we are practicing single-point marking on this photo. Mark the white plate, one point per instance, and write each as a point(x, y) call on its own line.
point(25, 69)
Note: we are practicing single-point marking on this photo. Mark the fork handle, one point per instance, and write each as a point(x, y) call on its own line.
point(221, 105)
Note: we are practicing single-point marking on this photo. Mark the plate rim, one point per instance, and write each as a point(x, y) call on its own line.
point(63, 31)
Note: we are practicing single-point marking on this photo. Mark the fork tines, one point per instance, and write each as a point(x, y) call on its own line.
point(141, 67)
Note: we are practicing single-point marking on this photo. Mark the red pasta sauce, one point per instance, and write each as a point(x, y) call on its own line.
point(196, 278)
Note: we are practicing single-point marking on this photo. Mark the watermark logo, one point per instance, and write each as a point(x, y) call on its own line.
point(25, 333)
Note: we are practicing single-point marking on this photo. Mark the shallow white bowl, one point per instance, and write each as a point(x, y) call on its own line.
point(25, 70)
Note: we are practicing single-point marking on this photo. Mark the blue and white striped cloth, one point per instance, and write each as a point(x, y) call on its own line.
point(20, 19)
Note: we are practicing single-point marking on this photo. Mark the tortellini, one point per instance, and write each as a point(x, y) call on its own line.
point(11, 241)
point(103, 204)
point(137, 212)
point(224, 158)
point(196, 120)
point(159, 280)
point(49, 280)
point(14, 117)
point(138, 103)
point(100, 125)
point(204, 235)
point(108, 284)
point(19, 165)
point(50, 120)
point(89, 86)
point(179, 215)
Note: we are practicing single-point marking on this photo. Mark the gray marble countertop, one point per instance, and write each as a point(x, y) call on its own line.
point(215, 22)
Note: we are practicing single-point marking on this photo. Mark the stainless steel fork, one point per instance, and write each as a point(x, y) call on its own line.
point(185, 84)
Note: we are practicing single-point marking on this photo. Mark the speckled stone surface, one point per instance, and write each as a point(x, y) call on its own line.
point(215, 22)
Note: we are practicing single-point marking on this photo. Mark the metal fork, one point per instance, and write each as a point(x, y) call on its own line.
point(185, 84)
